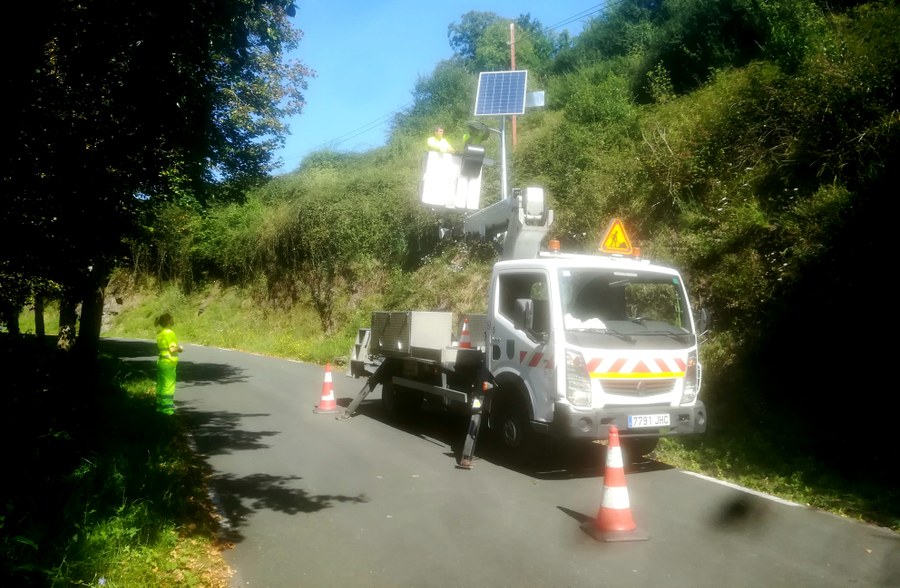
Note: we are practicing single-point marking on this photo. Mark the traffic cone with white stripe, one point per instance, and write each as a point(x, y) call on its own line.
point(614, 521)
point(327, 404)
point(465, 338)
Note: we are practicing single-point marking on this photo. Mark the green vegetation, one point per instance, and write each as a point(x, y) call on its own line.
point(120, 110)
point(749, 144)
point(101, 489)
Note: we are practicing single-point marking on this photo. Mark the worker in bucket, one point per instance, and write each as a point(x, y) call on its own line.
point(438, 142)
point(166, 362)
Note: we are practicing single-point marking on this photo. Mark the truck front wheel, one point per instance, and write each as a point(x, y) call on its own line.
point(509, 423)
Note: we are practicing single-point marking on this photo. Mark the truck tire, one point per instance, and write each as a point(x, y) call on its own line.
point(634, 449)
point(509, 425)
point(399, 403)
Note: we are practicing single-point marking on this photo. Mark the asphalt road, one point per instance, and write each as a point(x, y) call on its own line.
point(312, 500)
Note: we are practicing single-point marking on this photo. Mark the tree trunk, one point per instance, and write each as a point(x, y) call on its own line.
point(67, 320)
point(91, 318)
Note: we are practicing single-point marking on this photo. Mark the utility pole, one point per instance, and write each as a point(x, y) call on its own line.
point(512, 51)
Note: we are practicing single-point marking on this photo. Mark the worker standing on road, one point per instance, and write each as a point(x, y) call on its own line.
point(166, 362)
point(438, 142)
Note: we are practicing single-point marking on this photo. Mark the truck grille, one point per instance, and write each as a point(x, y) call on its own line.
point(638, 388)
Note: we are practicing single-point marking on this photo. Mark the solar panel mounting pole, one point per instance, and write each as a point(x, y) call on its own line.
point(512, 62)
point(503, 185)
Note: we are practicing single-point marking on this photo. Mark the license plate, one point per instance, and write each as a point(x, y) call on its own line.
point(639, 421)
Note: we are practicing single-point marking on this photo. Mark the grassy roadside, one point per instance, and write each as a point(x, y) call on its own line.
point(759, 464)
point(107, 492)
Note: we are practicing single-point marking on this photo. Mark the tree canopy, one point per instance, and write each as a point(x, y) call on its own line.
point(482, 41)
point(115, 106)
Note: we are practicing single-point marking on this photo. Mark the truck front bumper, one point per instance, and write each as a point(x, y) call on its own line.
point(572, 423)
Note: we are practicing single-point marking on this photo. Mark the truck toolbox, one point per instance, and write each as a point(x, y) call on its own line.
point(402, 334)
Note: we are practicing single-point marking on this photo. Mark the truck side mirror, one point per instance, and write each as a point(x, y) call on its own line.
point(523, 320)
point(703, 320)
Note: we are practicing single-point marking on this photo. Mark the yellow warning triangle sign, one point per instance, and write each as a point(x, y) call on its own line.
point(616, 239)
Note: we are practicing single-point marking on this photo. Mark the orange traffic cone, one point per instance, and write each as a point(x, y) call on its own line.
point(614, 521)
point(327, 404)
point(465, 338)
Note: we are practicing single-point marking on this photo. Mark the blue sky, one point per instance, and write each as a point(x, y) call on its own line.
point(369, 55)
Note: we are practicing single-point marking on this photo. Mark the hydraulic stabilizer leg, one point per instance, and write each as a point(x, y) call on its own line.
point(370, 384)
point(465, 461)
point(468, 451)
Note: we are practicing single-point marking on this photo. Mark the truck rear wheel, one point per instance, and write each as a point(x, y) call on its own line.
point(399, 402)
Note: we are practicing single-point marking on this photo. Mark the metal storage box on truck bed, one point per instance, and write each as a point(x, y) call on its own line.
point(417, 334)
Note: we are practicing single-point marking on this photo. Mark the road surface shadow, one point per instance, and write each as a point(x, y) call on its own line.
point(218, 433)
point(125, 348)
point(237, 497)
point(545, 461)
point(141, 356)
point(240, 496)
point(204, 374)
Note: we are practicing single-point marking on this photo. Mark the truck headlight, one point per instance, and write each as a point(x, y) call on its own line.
point(578, 380)
point(691, 387)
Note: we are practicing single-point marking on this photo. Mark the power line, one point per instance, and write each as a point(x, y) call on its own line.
point(588, 12)
point(356, 132)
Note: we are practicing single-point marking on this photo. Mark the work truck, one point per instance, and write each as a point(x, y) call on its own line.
point(570, 344)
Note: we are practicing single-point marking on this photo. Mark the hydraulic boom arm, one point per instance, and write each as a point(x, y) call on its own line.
point(524, 218)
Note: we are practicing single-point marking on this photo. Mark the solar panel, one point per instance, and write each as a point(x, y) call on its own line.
point(501, 93)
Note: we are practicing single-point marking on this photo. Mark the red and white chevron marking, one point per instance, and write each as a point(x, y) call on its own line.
point(536, 359)
point(636, 367)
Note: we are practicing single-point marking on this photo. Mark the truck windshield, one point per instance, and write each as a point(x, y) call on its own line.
point(624, 309)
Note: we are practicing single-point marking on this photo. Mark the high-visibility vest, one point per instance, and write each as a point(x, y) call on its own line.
point(167, 344)
point(441, 144)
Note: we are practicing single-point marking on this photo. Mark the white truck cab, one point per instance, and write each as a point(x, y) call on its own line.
point(577, 343)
